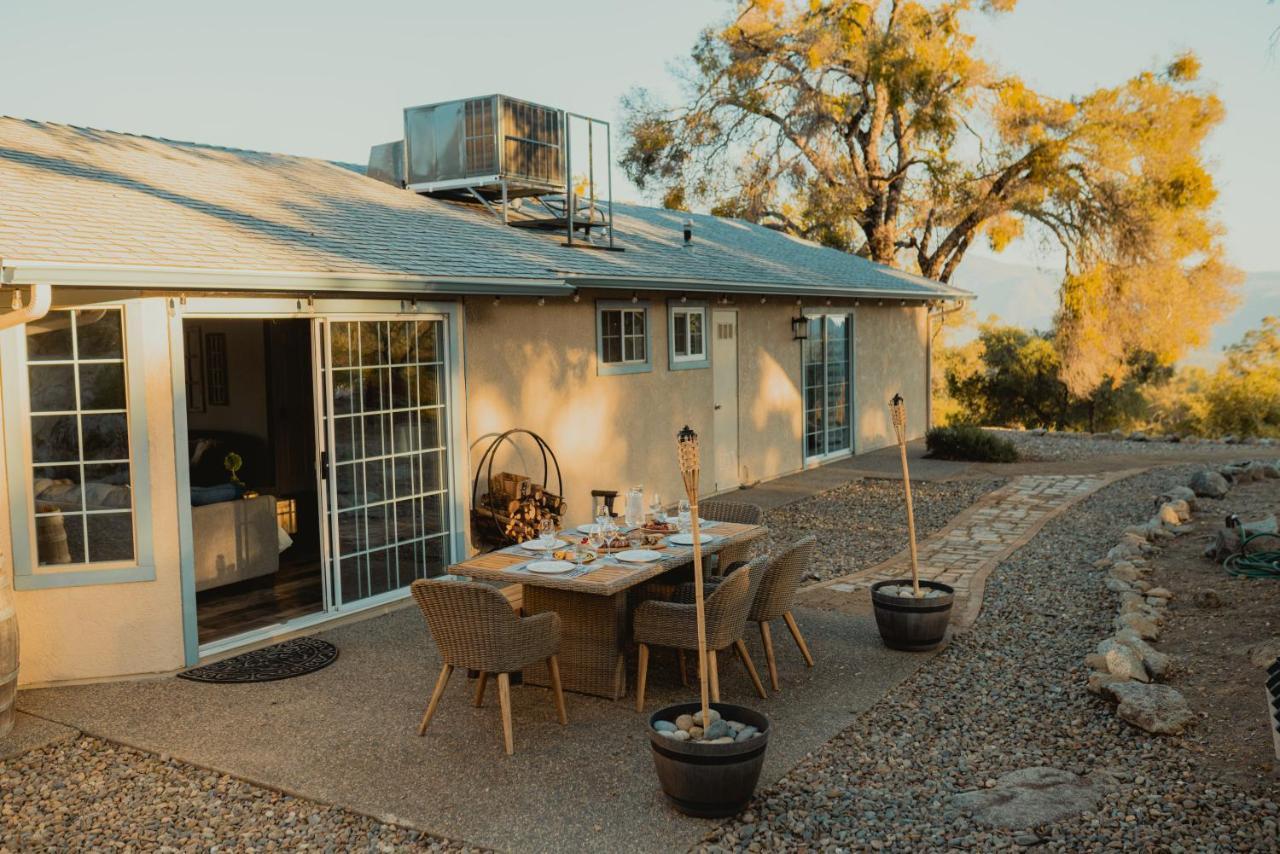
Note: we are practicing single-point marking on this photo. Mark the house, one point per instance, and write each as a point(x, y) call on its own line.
point(258, 393)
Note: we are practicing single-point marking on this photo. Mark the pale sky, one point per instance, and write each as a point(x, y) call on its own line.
point(327, 80)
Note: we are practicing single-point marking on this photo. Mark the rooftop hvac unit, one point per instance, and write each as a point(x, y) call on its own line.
point(484, 144)
point(532, 166)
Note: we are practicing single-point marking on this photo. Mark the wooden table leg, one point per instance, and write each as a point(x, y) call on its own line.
point(592, 640)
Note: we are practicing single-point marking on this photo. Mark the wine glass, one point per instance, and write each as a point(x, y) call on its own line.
point(547, 532)
point(683, 517)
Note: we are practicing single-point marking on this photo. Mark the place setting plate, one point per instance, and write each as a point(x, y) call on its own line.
point(537, 545)
point(549, 567)
point(638, 556)
point(687, 539)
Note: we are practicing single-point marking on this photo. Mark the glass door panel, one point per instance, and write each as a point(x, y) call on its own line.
point(827, 385)
point(385, 423)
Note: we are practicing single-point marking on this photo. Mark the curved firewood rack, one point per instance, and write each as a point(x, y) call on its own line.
point(486, 517)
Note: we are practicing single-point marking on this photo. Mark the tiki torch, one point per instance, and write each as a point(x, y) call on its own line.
point(687, 452)
point(898, 414)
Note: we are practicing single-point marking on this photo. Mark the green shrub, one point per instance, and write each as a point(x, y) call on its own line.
point(967, 442)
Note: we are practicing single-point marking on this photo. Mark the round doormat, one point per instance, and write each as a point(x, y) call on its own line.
point(296, 657)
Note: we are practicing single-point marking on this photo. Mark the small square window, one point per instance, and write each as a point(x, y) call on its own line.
point(622, 331)
point(686, 332)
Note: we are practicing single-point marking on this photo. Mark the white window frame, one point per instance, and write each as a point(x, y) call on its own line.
point(689, 361)
point(634, 366)
point(19, 465)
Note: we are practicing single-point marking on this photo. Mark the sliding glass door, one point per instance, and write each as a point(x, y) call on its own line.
point(828, 386)
point(387, 465)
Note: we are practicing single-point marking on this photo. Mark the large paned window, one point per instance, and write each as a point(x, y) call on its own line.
point(622, 337)
point(81, 477)
point(827, 386)
point(687, 334)
point(390, 454)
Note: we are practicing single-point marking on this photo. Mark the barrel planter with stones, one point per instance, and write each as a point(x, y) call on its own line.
point(908, 622)
point(709, 780)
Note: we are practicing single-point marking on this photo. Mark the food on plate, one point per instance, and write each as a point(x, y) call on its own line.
point(660, 526)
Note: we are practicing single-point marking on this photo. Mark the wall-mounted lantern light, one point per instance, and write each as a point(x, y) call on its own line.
point(799, 328)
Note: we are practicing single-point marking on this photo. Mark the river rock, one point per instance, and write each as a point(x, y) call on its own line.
point(684, 722)
point(1209, 484)
point(664, 726)
point(1123, 660)
point(1030, 797)
point(718, 729)
point(1157, 709)
point(712, 716)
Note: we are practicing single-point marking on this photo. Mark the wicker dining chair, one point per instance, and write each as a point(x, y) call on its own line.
point(777, 590)
point(781, 577)
point(735, 554)
point(675, 625)
point(475, 628)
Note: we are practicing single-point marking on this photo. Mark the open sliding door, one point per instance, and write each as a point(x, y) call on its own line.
point(386, 453)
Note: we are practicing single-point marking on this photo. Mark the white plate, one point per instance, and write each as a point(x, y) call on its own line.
point(702, 523)
point(549, 567)
point(586, 529)
point(638, 556)
point(687, 539)
point(539, 546)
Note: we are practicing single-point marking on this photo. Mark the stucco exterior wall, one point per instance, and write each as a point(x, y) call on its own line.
point(890, 356)
point(104, 630)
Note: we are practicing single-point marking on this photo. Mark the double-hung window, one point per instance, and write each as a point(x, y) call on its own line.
point(687, 336)
point(622, 337)
point(72, 422)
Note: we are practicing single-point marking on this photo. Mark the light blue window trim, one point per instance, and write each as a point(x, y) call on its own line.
point(694, 361)
point(626, 366)
point(27, 575)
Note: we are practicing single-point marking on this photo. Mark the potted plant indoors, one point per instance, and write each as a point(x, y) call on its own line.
point(911, 614)
point(711, 766)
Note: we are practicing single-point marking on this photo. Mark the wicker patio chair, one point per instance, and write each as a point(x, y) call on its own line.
point(732, 511)
point(475, 628)
point(675, 625)
point(773, 600)
point(779, 581)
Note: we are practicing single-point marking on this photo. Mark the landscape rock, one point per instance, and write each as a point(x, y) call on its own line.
point(1178, 493)
point(1123, 660)
point(1160, 593)
point(1146, 628)
point(1209, 484)
point(1032, 796)
point(1157, 709)
point(1158, 664)
point(1115, 585)
point(1099, 680)
point(1207, 598)
point(1264, 653)
point(1124, 571)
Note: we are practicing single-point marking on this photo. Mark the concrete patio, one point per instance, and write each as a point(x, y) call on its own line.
point(346, 735)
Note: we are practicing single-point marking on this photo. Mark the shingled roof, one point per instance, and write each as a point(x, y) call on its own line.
point(82, 199)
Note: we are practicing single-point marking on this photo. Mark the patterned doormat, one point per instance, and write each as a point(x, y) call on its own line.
point(296, 657)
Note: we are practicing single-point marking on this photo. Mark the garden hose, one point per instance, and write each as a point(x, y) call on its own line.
point(1265, 564)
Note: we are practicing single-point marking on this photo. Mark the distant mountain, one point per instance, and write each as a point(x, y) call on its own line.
point(1027, 296)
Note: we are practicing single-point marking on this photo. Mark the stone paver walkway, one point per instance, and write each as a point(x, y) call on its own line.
point(963, 554)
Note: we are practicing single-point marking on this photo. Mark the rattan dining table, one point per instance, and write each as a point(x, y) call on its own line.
point(594, 603)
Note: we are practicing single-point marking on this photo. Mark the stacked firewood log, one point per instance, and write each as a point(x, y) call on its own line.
point(516, 506)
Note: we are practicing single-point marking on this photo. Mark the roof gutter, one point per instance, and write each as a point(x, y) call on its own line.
point(16, 272)
point(943, 292)
point(40, 298)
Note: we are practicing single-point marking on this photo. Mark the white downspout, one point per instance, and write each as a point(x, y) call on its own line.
point(37, 306)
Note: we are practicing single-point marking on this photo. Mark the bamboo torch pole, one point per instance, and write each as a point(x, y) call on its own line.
point(687, 445)
point(898, 413)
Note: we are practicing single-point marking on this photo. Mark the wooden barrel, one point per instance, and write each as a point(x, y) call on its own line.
point(8, 654)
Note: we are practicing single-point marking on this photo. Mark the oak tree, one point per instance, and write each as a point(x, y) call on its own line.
point(875, 126)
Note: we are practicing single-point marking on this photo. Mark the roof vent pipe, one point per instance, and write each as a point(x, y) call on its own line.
point(688, 232)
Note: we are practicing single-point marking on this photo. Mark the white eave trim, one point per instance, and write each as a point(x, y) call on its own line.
point(942, 292)
point(15, 272)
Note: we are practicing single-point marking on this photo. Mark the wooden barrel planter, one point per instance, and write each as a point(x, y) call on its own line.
point(8, 654)
point(709, 780)
point(908, 623)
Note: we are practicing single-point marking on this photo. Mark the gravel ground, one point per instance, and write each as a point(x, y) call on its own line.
point(89, 794)
point(1006, 695)
point(1079, 446)
point(861, 523)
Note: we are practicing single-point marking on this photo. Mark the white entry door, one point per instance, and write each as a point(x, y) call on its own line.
point(724, 368)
